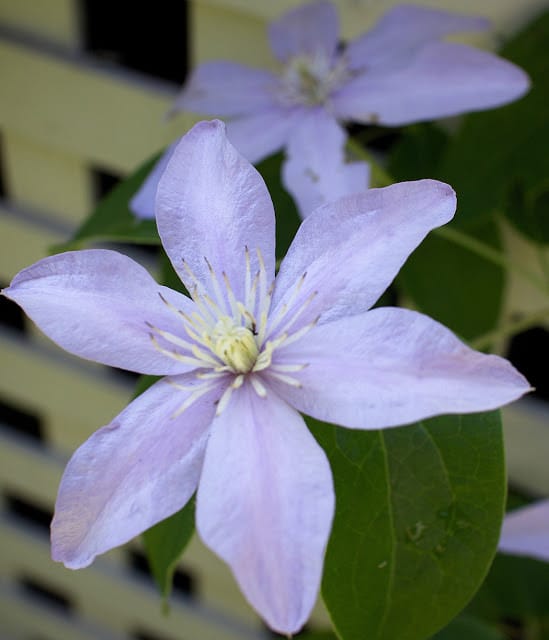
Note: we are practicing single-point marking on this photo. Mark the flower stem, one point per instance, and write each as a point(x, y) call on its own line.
point(380, 177)
point(489, 253)
point(508, 329)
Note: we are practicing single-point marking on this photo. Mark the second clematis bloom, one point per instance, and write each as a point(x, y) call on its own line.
point(525, 531)
point(242, 358)
point(400, 72)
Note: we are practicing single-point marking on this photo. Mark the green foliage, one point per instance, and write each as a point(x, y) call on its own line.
point(164, 544)
point(287, 218)
point(454, 285)
point(495, 153)
point(112, 220)
point(416, 526)
point(467, 628)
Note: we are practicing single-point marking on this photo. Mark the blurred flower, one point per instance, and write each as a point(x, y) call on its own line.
point(242, 358)
point(525, 531)
point(398, 73)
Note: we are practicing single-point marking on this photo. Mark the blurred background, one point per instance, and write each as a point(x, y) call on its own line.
point(85, 86)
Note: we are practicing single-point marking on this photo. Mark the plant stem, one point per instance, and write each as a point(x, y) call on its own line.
point(380, 178)
point(489, 253)
point(484, 341)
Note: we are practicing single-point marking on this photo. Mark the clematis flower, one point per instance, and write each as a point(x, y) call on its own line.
point(398, 73)
point(525, 531)
point(242, 358)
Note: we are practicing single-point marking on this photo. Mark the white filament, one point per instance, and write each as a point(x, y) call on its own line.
point(225, 338)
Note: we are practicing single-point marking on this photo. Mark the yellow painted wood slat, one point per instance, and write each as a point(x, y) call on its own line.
point(358, 15)
point(224, 33)
point(23, 242)
point(53, 20)
point(74, 397)
point(109, 596)
point(30, 472)
point(46, 180)
point(24, 616)
point(111, 119)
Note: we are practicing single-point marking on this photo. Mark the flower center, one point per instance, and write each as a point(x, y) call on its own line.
point(310, 80)
point(227, 340)
point(234, 344)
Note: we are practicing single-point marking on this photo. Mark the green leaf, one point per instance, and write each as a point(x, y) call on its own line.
point(112, 220)
point(529, 212)
point(417, 153)
point(164, 544)
point(455, 286)
point(416, 525)
point(516, 587)
point(467, 628)
point(507, 146)
point(287, 218)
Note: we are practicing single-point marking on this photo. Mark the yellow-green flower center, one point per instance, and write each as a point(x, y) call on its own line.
point(234, 344)
point(310, 80)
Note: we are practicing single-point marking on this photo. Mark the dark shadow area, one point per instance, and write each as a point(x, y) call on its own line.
point(148, 38)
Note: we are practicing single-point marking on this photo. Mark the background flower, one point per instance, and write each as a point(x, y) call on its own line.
point(398, 73)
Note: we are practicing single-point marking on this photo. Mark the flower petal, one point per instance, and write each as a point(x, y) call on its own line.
point(390, 367)
point(402, 32)
point(262, 134)
point(443, 79)
point(352, 249)
point(308, 30)
point(211, 203)
point(129, 475)
point(525, 532)
point(100, 305)
point(316, 172)
point(144, 201)
point(223, 88)
point(265, 505)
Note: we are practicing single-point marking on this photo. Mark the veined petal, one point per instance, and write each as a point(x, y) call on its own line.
point(211, 203)
point(129, 475)
point(265, 505)
point(99, 305)
point(443, 79)
point(315, 171)
point(143, 202)
point(259, 135)
point(308, 30)
point(402, 31)
point(353, 248)
point(525, 531)
point(390, 367)
point(223, 88)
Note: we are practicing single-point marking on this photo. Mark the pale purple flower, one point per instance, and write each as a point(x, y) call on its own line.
point(242, 358)
point(525, 531)
point(399, 72)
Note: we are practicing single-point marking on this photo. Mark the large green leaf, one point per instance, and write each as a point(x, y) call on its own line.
point(454, 285)
point(416, 525)
point(112, 220)
point(467, 628)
